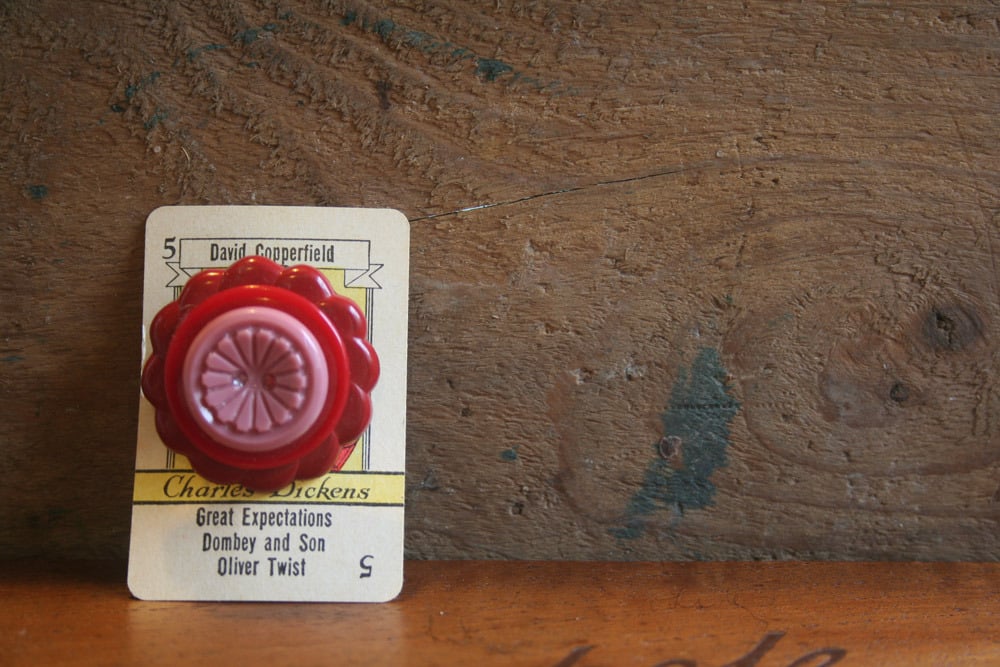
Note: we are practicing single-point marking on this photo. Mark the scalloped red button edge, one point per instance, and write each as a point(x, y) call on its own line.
point(212, 305)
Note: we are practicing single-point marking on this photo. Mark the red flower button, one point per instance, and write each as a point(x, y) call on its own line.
point(261, 375)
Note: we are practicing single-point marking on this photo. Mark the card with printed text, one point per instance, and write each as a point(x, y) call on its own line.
point(336, 537)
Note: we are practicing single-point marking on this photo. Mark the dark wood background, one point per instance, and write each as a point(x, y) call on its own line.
point(688, 281)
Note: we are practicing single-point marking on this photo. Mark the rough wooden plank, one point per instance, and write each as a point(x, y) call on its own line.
point(687, 283)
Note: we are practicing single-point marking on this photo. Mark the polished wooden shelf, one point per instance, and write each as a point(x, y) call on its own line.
point(550, 614)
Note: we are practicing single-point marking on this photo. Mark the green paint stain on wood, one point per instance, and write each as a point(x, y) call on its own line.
point(697, 419)
point(155, 119)
point(384, 28)
point(248, 36)
point(38, 192)
point(192, 54)
point(251, 35)
point(487, 69)
point(491, 69)
point(508, 455)
point(133, 89)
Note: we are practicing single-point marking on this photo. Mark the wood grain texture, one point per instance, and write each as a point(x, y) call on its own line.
point(545, 614)
point(687, 283)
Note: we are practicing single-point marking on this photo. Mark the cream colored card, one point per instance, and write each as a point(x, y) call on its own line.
point(335, 538)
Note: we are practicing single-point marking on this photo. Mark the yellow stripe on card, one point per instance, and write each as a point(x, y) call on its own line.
point(338, 488)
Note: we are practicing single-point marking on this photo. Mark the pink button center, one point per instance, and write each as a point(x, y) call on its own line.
point(255, 379)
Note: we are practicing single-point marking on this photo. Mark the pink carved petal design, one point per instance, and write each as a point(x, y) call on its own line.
point(254, 380)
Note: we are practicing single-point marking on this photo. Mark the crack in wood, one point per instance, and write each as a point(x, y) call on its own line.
point(553, 193)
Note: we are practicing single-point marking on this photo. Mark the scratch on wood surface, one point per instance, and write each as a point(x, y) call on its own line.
point(553, 193)
point(669, 171)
